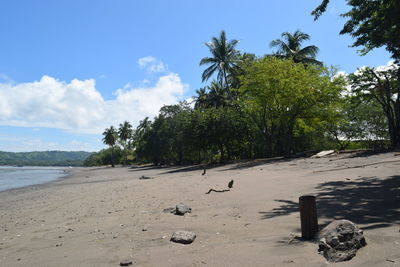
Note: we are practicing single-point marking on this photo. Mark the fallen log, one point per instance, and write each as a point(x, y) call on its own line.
point(217, 191)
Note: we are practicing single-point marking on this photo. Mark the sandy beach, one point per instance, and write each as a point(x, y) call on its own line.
point(100, 216)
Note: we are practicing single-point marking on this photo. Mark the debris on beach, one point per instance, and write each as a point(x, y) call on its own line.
point(182, 209)
point(323, 154)
point(230, 185)
point(340, 240)
point(183, 237)
point(145, 177)
point(126, 262)
point(217, 191)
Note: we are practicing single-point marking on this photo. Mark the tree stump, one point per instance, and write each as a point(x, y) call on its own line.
point(308, 217)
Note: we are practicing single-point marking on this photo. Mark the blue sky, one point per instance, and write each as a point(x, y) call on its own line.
point(68, 69)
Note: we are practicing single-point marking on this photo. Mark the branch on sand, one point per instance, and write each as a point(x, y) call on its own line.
point(217, 191)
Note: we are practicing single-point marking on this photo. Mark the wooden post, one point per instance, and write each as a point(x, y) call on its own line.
point(308, 217)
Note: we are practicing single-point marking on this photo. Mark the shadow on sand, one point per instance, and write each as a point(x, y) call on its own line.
point(369, 202)
point(257, 162)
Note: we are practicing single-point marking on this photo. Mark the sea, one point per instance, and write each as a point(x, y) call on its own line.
point(15, 177)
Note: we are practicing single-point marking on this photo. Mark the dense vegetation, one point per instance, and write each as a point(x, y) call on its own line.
point(275, 105)
point(44, 158)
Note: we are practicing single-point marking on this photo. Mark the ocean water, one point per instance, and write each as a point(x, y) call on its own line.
point(15, 177)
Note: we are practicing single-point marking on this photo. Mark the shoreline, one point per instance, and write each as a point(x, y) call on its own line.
point(98, 216)
point(65, 173)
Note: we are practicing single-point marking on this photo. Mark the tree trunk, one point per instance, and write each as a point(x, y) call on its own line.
point(221, 149)
point(396, 130)
point(112, 157)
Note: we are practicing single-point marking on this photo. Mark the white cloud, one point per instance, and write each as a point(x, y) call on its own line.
point(79, 107)
point(390, 65)
point(152, 65)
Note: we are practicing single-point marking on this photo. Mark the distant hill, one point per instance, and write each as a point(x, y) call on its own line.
point(44, 158)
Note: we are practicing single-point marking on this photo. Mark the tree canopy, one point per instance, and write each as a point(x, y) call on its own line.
point(274, 105)
point(110, 139)
point(380, 85)
point(373, 23)
point(277, 93)
point(223, 60)
point(290, 47)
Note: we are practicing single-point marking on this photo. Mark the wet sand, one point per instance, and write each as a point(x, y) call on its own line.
point(100, 216)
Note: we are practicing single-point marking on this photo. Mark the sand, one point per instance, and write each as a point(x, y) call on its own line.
point(100, 216)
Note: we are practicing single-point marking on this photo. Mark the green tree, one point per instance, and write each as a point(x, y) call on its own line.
point(380, 85)
point(376, 23)
point(105, 157)
point(358, 120)
point(201, 98)
point(140, 130)
point(373, 23)
point(223, 60)
point(110, 139)
point(213, 95)
point(279, 93)
point(167, 140)
point(290, 47)
point(220, 133)
point(125, 134)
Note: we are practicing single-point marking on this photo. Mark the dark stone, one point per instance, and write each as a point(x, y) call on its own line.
point(340, 240)
point(182, 209)
point(183, 237)
point(230, 184)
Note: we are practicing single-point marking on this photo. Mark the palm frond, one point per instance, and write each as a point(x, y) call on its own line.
point(309, 51)
point(290, 47)
point(207, 73)
point(208, 60)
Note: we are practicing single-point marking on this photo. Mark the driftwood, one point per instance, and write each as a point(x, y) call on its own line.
point(217, 191)
point(230, 185)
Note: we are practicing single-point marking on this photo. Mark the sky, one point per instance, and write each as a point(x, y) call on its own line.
point(71, 68)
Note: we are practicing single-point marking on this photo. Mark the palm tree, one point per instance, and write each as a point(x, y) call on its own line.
point(125, 133)
point(213, 95)
point(290, 47)
point(201, 98)
point(110, 139)
point(224, 59)
point(138, 134)
point(217, 95)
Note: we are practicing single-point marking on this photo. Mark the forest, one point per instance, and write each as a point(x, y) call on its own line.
point(44, 158)
point(279, 104)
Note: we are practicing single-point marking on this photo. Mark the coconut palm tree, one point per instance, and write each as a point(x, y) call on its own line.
point(217, 95)
point(290, 47)
point(124, 134)
point(213, 95)
point(201, 98)
point(223, 61)
point(110, 139)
